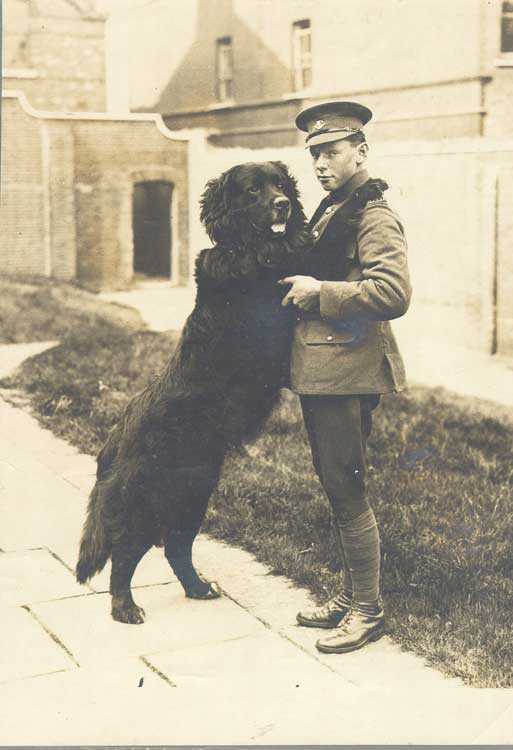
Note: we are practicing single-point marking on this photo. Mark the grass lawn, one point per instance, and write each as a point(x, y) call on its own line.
point(440, 481)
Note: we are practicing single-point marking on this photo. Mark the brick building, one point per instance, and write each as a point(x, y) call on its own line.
point(243, 68)
point(54, 51)
point(86, 195)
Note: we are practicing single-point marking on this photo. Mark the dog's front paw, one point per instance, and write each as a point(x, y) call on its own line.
point(130, 614)
point(204, 590)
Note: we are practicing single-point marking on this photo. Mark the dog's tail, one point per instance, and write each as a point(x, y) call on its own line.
point(95, 547)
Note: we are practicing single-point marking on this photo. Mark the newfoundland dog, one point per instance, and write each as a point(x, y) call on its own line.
point(161, 462)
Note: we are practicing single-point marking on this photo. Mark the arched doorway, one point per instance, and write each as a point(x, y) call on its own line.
point(152, 228)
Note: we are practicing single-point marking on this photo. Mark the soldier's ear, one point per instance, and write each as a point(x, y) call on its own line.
point(362, 151)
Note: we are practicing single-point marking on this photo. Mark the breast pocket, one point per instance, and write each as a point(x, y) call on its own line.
point(346, 333)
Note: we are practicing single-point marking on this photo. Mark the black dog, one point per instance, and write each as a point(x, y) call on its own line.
point(162, 461)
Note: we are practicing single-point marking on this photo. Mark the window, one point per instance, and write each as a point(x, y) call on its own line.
point(224, 69)
point(302, 54)
point(507, 27)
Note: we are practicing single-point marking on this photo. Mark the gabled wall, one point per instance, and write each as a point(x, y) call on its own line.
point(67, 182)
point(421, 65)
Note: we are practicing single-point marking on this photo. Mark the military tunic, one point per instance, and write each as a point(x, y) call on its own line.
point(347, 346)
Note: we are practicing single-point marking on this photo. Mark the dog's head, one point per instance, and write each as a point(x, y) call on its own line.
point(252, 199)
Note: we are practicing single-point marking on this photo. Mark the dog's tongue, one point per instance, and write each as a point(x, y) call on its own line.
point(279, 228)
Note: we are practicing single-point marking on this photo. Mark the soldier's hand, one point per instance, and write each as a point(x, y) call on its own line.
point(304, 292)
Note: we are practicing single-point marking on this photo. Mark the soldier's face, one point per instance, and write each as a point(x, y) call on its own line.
point(336, 162)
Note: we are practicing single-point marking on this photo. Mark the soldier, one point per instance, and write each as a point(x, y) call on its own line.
point(344, 354)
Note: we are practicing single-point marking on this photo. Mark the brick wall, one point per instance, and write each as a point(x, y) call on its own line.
point(67, 184)
point(110, 157)
point(62, 47)
point(22, 206)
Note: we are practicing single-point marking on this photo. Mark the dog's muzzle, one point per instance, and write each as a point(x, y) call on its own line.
point(281, 214)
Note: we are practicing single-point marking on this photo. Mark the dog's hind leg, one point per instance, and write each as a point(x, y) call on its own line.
point(178, 548)
point(190, 503)
point(125, 558)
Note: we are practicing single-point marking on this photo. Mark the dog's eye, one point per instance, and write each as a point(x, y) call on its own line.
point(280, 185)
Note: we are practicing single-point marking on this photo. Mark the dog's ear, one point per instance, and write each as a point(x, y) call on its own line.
point(215, 205)
point(292, 192)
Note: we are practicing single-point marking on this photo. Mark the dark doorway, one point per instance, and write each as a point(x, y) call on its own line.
point(151, 221)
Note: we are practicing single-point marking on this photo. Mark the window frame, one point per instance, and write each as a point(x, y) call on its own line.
point(224, 69)
point(302, 69)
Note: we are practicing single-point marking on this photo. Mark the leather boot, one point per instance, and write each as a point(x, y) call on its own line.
point(355, 631)
point(328, 615)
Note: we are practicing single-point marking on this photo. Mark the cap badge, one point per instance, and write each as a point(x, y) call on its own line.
point(319, 125)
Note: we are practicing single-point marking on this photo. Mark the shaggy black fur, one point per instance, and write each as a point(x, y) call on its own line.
point(162, 461)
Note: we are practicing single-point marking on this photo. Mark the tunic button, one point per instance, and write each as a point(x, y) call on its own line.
point(315, 233)
point(329, 338)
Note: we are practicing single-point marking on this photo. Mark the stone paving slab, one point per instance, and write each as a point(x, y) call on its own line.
point(276, 601)
point(390, 717)
point(21, 430)
point(85, 626)
point(272, 598)
point(92, 706)
point(34, 467)
point(500, 731)
point(261, 665)
point(161, 306)
point(153, 568)
point(34, 576)
point(88, 707)
point(380, 665)
point(76, 468)
point(26, 649)
point(37, 513)
point(259, 674)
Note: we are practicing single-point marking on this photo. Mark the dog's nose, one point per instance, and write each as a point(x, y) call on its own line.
point(282, 202)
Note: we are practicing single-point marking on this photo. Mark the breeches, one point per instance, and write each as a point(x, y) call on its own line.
point(338, 428)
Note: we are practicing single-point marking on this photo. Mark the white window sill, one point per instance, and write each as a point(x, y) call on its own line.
point(301, 94)
point(222, 105)
point(504, 62)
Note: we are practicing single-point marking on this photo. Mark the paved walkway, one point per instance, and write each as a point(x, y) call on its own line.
point(162, 306)
point(232, 671)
